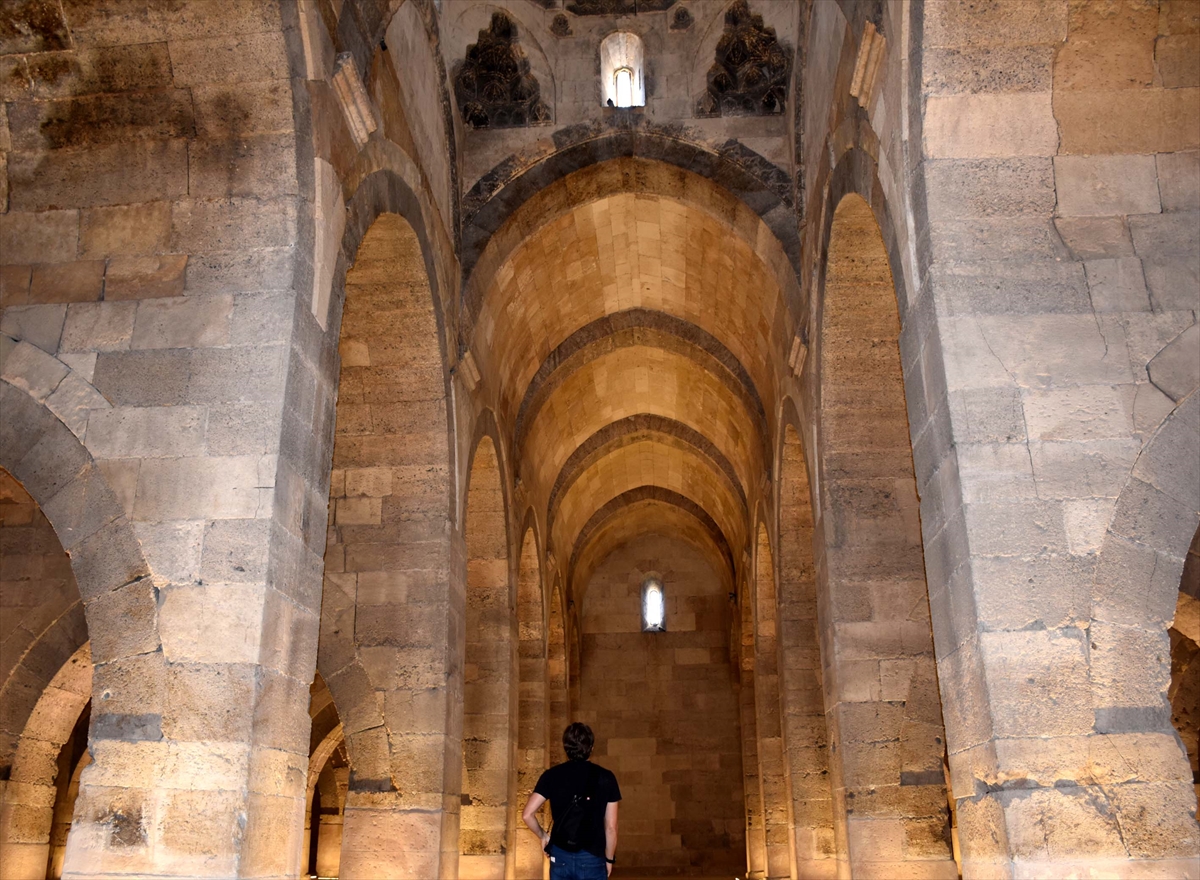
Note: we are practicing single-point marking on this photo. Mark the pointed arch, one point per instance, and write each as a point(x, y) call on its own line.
point(877, 636)
point(489, 686)
point(772, 757)
point(801, 680)
point(532, 699)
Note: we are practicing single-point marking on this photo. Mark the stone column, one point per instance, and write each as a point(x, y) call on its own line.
point(772, 763)
point(756, 832)
point(1062, 258)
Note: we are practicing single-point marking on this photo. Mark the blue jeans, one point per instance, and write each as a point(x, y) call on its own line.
point(576, 866)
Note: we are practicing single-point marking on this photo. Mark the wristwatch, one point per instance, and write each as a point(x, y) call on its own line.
point(610, 861)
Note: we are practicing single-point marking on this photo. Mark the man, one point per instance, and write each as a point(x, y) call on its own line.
point(582, 841)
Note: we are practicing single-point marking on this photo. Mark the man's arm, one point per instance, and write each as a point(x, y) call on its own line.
point(530, 816)
point(610, 833)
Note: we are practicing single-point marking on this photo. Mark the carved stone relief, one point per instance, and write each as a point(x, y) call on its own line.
point(750, 74)
point(494, 85)
point(617, 7)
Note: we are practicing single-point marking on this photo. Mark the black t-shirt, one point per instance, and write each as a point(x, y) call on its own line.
point(561, 783)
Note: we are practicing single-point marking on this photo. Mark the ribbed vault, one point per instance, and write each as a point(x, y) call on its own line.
point(632, 316)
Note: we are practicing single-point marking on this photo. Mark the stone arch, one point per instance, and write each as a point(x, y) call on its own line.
point(44, 621)
point(60, 475)
point(380, 193)
point(877, 640)
point(388, 570)
point(756, 832)
point(558, 707)
point(773, 771)
point(119, 599)
point(485, 835)
point(641, 428)
point(636, 327)
point(1136, 592)
point(742, 182)
point(532, 696)
point(1184, 691)
point(327, 784)
point(801, 680)
point(648, 493)
point(33, 789)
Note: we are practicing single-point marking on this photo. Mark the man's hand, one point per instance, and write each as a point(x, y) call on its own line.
point(609, 867)
point(529, 814)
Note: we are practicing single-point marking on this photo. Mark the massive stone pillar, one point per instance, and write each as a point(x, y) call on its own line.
point(393, 607)
point(800, 680)
point(1042, 356)
point(772, 759)
point(880, 681)
point(756, 831)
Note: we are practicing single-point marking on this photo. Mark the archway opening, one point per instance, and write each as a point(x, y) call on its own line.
point(772, 758)
point(801, 682)
point(488, 738)
point(386, 607)
point(532, 698)
point(328, 784)
point(45, 688)
point(1184, 691)
point(662, 702)
point(884, 713)
point(559, 709)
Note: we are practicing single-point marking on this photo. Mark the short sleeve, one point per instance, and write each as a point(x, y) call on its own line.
point(612, 791)
point(543, 785)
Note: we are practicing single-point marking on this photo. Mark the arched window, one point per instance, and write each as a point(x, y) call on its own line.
point(622, 82)
point(654, 606)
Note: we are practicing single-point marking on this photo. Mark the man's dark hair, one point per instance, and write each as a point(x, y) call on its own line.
point(578, 740)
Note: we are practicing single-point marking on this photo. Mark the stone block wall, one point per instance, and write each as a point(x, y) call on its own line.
point(182, 189)
point(42, 630)
point(568, 69)
point(664, 708)
point(148, 236)
point(41, 617)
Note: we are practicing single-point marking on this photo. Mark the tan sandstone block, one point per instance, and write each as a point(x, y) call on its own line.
point(124, 229)
point(976, 126)
point(145, 277)
point(81, 281)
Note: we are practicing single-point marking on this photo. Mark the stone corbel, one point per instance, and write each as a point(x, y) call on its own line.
point(866, 66)
point(352, 95)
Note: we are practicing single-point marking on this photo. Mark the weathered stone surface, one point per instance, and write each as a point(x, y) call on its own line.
point(1176, 369)
point(145, 277)
point(1091, 186)
point(182, 322)
point(1179, 180)
point(40, 325)
point(1001, 125)
point(1117, 285)
point(96, 327)
point(146, 432)
point(81, 281)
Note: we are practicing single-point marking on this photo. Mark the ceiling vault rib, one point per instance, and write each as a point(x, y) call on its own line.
point(620, 433)
point(629, 328)
point(651, 493)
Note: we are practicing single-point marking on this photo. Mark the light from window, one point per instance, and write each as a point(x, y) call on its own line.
point(624, 87)
point(654, 609)
point(622, 78)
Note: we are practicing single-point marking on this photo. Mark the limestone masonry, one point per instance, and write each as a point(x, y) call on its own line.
point(363, 362)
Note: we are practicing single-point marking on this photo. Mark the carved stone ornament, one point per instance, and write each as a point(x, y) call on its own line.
point(617, 7)
point(752, 69)
point(561, 26)
point(682, 19)
point(494, 85)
